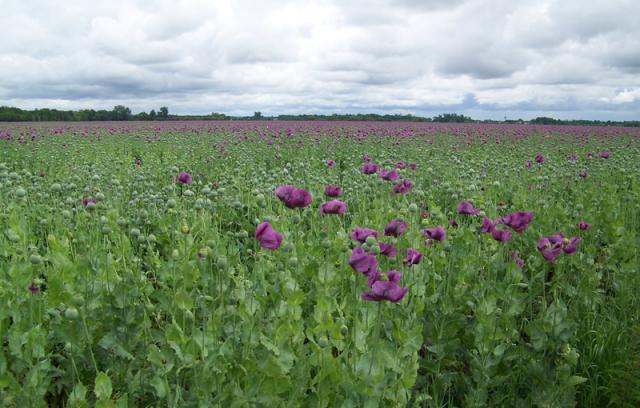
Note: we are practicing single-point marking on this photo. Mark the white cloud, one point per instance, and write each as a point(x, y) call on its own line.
point(198, 56)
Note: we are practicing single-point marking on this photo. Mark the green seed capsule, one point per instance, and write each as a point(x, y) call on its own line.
point(35, 259)
point(323, 342)
point(222, 263)
point(71, 313)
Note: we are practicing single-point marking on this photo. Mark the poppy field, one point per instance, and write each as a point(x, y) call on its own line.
point(319, 264)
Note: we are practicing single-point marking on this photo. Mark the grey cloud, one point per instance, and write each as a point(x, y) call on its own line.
point(485, 57)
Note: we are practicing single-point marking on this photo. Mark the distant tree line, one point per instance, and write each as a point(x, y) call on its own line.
point(119, 112)
point(123, 113)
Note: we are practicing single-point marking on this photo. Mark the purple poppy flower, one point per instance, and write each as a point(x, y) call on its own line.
point(386, 290)
point(369, 168)
point(138, 162)
point(501, 235)
point(400, 165)
point(466, 208)
point(331, 163)
point(604, 155)
point(365, 158)
point(372, 277)
point(331, 190)
point(362, 262)
point(268, 237)
point(584, 225)
point(573, 157)
point(184, 178)
point(583, 173)
point(518, 221)
point(570, 245)
point(87, 200)
point(395, 228)
point(293, 197)
point(529, 163)
point(412, 166)
point(438, 233)
point(361, 234)
point(551, 247)
point(413, 257)
point(333, 207)
point(539, 158)
point(389, 175)
point(388, 250)
point(488, 225)
point(403, 187)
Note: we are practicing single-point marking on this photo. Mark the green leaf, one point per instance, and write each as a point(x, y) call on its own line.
point(160, 387)
point(103, 388)
point(575, 380)
point(77, 398)
point(183, 300)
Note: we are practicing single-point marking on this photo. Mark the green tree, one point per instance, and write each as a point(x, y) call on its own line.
point(121, 112)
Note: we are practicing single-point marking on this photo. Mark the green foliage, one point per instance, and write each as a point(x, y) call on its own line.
point(132, 310)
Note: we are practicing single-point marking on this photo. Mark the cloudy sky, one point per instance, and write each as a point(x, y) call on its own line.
point(483, 58)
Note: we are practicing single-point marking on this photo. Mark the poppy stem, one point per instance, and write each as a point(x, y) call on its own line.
point(377, 336)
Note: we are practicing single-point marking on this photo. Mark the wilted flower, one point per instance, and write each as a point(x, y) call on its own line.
point(403, 187)
point(365, 157)
point(293, 197)
point(331, 163)
point(466, 208)
point(413, 257)
point(268, 237)
point(583, 173)
point(362, 262)
point(584, 225)
point(604, 155)
point(412, 166)
point(529, 163)
point(515, 255)
point(395, 228)
point(332, 190)
point(361, 234)
point(34, 288)
point(386, 290)
point(333, 207)
point(389, 175)
point(369, 168)
point(438, 233)
point(184, 178)
point(518, 221)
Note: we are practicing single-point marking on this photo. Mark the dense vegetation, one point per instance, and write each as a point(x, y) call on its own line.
point(153, 264)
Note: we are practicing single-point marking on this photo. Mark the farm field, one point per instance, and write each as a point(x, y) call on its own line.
point(320, 264)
